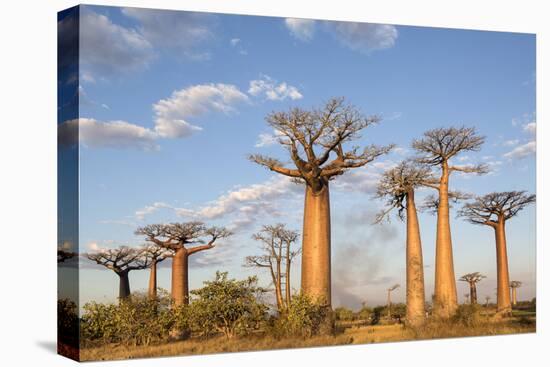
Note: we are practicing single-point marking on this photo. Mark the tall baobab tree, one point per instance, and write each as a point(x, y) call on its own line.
point(514, 285)
point(389, 290)
point(276, 242)
point(472, 279)
point(398, 185)
point(494, 210)
point(177, 237)
point(436, 149)
point(467, 298)
point(121, 260)
point(156, 254)
point(313, 138)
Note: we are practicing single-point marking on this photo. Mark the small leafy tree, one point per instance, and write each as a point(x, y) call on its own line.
point(229, 306)
point(343, 314)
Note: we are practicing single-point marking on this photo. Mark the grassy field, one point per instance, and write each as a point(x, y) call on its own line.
point(345, 335)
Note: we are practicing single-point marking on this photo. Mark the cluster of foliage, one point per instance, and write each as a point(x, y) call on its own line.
point(304, 318)
point(67, 322)
point(468, 315)
point(228, 306)
point(138, 320)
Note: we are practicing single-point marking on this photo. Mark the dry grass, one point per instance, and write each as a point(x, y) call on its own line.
point(350, 335)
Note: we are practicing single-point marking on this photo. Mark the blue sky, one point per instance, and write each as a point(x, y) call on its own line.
point(172, 102)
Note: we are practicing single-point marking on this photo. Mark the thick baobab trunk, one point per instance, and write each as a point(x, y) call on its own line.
point(153, 281)
point(124, 285)
point(514, 297)
point(180, 281)
point(445, 286)
point(503, 281)
point(473, 293)
point(416, 311)
point(316, 245)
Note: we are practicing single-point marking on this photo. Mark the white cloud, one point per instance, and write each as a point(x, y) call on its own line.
point(111, 134)
point(511, 143)
point(522, 151)
point(150, 209)
point(272, 90)
point(171, 113)
point(302, 29)
point(234, 41)
point(531, 128)
point(108, 48)
point(364, 179)
point(180, 30)
point(364, 37)
point(266, 139)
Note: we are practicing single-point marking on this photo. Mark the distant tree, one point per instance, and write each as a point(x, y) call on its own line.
point(514, 285)
point(436, 149)
point(63, 255)
point(398, 186)
point(487, 299)
point(177, 237)
point(121, 260)
point(343, 314)
point(311, 138)
point(276, 243)
point(156, 254)
point(472, 279)
point(389, 290)
point(466, 297)
point(494, 210)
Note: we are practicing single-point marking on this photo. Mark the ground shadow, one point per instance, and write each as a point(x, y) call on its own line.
point(50, 346)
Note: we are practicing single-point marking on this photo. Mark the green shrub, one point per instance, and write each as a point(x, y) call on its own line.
point(304, 318)
point(467, 315)
point(67, 322)
point(228, 306)
point(343, 314)
point(135, 321)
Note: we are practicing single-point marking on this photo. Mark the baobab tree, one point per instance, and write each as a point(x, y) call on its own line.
point(156, 254)
point(389, 290)
point(514, 285)
point(467, 298)
point(494, 210)
point(121, 260)
point(436, 149)
point(276, 244)
point(63, 255)
point(472, 279)
point(177, 237)
point(313, 138)
point(398, 185)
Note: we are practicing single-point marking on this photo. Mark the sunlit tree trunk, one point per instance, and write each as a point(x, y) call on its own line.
point(124, 285)
point(153, 280)
point(446, 301)
point(503, 280)
point(514, 297)
point(473, 293)
point(316, 245)
point(415, 268)
point(180, 281)
point(287, 278)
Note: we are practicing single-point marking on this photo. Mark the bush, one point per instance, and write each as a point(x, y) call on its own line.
point(231, 307)
point(67, 322)
point(343, 314)
point(364, 314)
point(304, 318)
point(135, 321)
point(467, 315)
